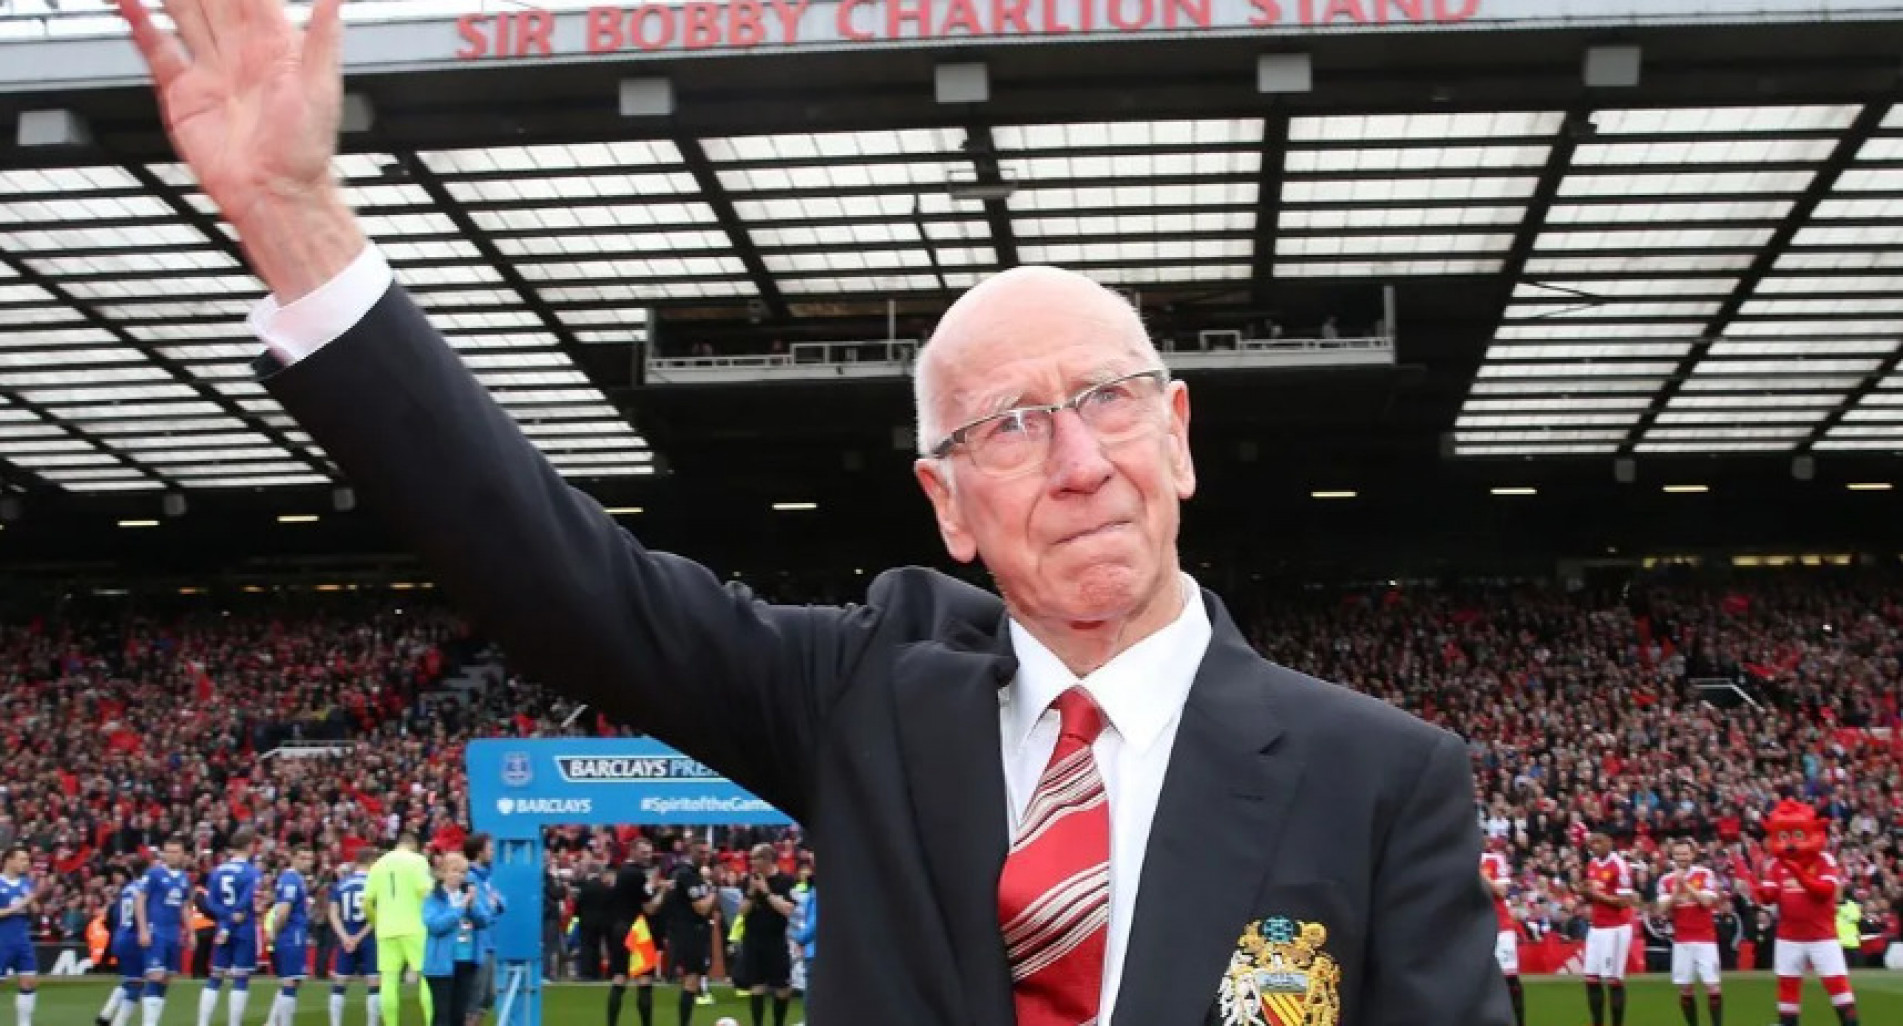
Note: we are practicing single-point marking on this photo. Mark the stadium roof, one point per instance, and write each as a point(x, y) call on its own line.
point(1709, 264)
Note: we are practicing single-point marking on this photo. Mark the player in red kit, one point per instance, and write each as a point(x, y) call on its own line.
point(1689, 893)
point(1496, 871)
point(1803, 883)
point(1609, 941)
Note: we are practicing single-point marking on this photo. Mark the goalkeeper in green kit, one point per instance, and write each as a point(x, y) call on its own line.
point(393, 903)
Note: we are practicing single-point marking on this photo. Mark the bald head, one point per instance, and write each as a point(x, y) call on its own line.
point(1007, 313)
point(1075, 517)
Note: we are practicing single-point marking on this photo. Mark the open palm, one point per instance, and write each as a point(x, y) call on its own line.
point(250, 102)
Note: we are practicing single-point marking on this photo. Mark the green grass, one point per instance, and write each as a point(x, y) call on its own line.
point(66, 1002)
point(1750, 1000)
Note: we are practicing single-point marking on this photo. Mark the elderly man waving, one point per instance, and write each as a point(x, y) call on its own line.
point(1081, 799)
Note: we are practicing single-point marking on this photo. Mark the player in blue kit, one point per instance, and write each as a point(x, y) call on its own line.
point(160, 910)
point(122, 920)
point(17, 902)
point(231, 894)
point(290, 931)
point(356, 941)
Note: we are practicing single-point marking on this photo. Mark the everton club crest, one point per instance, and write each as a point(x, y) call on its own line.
point(1280, 976)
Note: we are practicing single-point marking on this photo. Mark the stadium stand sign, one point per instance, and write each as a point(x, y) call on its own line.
point(517, 788)
point(65, 44)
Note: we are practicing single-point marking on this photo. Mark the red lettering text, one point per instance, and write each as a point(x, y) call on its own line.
point(744, 24)
point(791, 13)
point(534, 27)
point(1197, 11)
point(604, 29)
point(1145, 13)
point(1338, 10)
point(641, 33)
point(469, 26)
point(963, 17)
point(1007, 16)
point(1053, 23)
point(897, 14)
point(843, 21)
point(503, 22)
point(703, 25)
point(739, 24)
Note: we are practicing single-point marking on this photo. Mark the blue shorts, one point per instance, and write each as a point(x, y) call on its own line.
point(130, 956)
point(16, 958)
point(163, 955)
point(361, 962)
point(239, 952)
point(290, 955)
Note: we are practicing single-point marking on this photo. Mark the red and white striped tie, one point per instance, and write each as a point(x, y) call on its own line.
point(1054, 895)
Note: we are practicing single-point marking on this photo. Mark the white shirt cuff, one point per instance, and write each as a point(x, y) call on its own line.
point(312, 322)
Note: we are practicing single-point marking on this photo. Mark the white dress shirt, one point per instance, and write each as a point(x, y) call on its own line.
point(296, 331)
point(1141, 691)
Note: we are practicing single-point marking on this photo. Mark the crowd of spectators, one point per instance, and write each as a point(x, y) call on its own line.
point(1679, 708)
point(316, 725)
point(1685, 709)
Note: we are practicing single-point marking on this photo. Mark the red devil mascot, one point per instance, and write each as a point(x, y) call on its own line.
point(1803, 884)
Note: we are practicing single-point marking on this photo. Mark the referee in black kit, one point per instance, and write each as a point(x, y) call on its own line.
point(633, 898)
point(687, 900)
point(765, 962)
point(594, 917)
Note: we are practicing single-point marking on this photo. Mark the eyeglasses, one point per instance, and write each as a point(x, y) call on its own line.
point(1015, 441)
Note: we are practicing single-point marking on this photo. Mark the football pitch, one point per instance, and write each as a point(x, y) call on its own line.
point(1750, 1000)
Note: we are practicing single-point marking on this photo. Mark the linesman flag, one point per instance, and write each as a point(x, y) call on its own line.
point(643, 956)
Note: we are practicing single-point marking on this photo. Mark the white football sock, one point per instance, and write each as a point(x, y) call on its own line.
point(113, 1001)
point(23, 1004)
point(239, 998)
point(374, 1004)
point(207, 1003)
point(153, 1007)
point(336, 1008)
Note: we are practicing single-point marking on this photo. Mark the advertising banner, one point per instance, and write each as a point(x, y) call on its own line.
point(517, 787)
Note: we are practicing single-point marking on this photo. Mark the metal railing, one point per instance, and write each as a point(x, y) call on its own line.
point(899, 351)
point(1226, 350)
point(1234, 341)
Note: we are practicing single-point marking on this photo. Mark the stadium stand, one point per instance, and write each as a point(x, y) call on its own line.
point(341, 726)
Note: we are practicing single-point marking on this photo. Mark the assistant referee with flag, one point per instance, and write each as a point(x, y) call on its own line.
point(393, 902)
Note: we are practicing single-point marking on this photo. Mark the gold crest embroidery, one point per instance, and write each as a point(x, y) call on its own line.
point(1280, 976)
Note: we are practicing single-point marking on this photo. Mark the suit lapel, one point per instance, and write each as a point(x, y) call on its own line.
point(947, 707)
point(1218, 822)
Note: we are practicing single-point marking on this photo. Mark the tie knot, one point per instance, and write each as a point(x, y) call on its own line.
point(1081, 719)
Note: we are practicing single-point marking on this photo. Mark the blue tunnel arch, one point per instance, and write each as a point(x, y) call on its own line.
point(520, 787)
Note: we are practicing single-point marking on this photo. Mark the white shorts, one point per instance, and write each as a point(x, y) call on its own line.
point(1506, 951)
point(1825, 958)
point(1607, 949)
point(1695, 962)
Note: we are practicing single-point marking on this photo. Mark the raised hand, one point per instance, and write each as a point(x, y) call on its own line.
point(249, 101)
point(253, 105)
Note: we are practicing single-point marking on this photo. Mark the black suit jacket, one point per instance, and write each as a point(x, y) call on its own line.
point(877, 727)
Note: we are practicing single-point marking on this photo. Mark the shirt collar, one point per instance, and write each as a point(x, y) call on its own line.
point(1141, 690)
